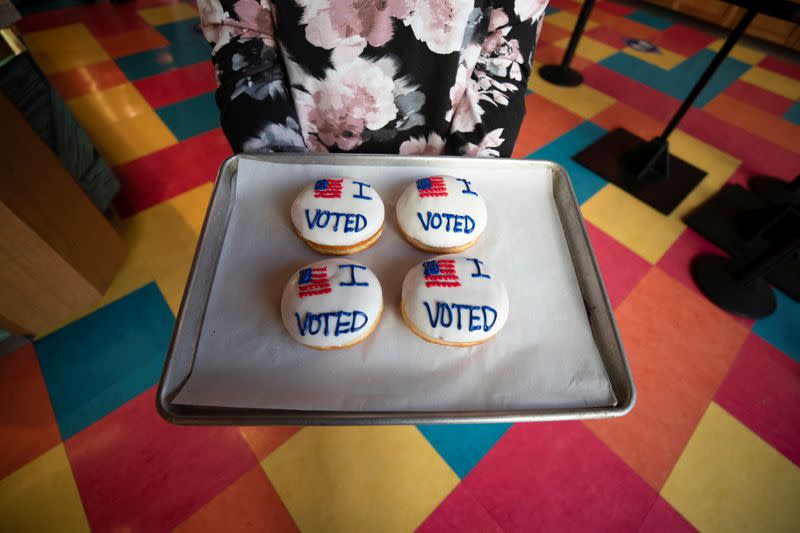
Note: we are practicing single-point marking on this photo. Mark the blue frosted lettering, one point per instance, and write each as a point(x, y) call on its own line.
point(447, 221)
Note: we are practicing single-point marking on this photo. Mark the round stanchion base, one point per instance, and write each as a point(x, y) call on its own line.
point(716, 277)
point(565, 77)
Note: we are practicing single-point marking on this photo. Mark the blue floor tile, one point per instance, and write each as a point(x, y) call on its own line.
point(782, 328)
point(648, 19)
point(463, 446)
point(793, 114)
point(191, 117)
point(98, 363)
point(585, 182)
point(550, 10)
point(680, 80)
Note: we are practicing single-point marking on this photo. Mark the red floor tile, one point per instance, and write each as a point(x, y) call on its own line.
point(557, 476)
point(27, 424)
point(680, 348)
point(607, 36)
point(545, 123)
point(758, 155)
point(663, 518)
point(459, 512)
point(550, 54)
point(683, 40)
point(626, 27)
point(637, 95)
point(136, 472)
point(753, 119)
point(678, 258)
point(159, 176)
point(780, 66)
point(250, 504)
point(765, 100)
point(762, 390)
point(102, 19)
point(550, 34)
point(132, 42)
point(88, 79)
point(613, 7)
point(178, 84)
point(621, 268)
point(621, 115)
point(263, 440)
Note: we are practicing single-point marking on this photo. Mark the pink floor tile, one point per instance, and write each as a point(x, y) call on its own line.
point(136, 472)
point(161, 175)
point(676, 262)
point(663, 518)
point(613, 7)
point(631, 92)
point(459, 512)
point(762, 390)
point(178, 84)
point(558, 476)
point(621, 268)
point(780, 66)
point(764, 99)
point(758, 155)
point(683, 39)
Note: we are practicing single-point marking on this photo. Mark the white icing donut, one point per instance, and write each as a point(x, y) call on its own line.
point(442, 213)
point(454, 300)
point(332, 303)
point(338, 212)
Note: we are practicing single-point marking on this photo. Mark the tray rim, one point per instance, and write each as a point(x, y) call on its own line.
point(624, 389)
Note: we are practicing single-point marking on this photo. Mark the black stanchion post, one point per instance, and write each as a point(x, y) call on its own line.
point(562, 74)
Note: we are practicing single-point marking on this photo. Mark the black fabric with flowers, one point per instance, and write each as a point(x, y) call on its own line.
point(378, 76)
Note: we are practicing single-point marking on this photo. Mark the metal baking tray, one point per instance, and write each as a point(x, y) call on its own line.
point(186, 335)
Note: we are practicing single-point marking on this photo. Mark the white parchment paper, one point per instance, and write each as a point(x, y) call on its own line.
point(545, 356)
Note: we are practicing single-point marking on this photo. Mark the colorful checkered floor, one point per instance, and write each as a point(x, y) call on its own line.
point(713, 443)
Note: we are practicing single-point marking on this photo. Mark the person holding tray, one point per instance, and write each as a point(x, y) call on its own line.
point(377, 76)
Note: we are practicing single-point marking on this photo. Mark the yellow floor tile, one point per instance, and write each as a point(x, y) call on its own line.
point(589, 48)
point(359, 478)
point(719, 165)
point(567, 20)
point(121, 123)
point(581, 100)
point(167, 13)
point(632, 222)
point(65, 48)
point(163, 238)
point(42, 496)
point(772, 81)
point(663, 58)
point(728, 479)
point(740, 52)
point(109, 106)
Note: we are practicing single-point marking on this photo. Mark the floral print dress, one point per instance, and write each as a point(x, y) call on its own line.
point(379, 76)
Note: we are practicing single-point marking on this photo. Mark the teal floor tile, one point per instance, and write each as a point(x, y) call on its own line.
point(185, 31)
point(793, 114)
point(585, 182)
point(463, 446)
point(649, 19)
point(550, 10)
point(782, 328)
point(152, 62)
point(98, 363)
point(680, 80)
point(191, 117)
